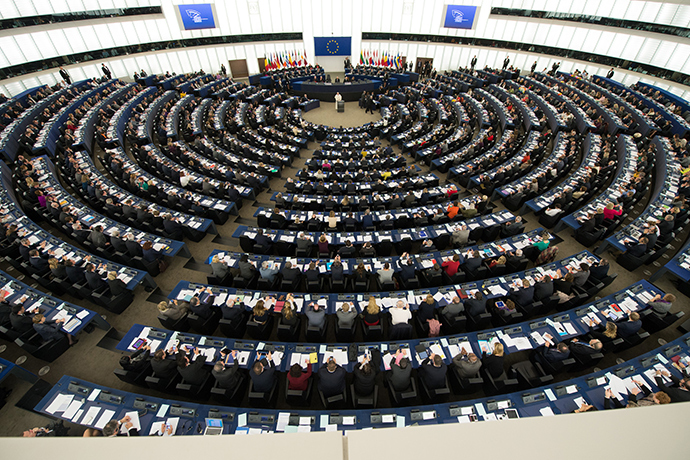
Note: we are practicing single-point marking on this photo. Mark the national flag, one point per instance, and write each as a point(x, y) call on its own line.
point(361, 56)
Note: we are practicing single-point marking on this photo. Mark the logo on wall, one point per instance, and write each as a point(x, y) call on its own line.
point(332, 46)
point(195, 16)
point(458, 16)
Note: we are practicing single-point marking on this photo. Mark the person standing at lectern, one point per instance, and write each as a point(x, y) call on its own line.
point(338, 98)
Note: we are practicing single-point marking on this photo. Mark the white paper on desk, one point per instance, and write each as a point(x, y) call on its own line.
point(536, 336)
point(522, 343)
point(277, 357)
point(304, 420)
point(569, 328)
point(242, 419)
point(242, 357)
point(60, 403)
point(208, 353)
point(436, 349)
point(136, 423)
point(300, 429)
point(74, 406)
point(83, 314)
point(438, 296)
point(464, 419)
point(479, 407)
point(503, 404)
point(158, 428)
point(571, 389)
point(428, 415)
point(546, 411)
point(617, 385)
point(349, 420)
point(296, 358)
point(331, 427)
point(91, 415)
point(163, 410)
point(400, 421)
point(105, 418)
point(283, 420)
point(549, 394)
point(79, 413)
point(220, 299)
point(579, 401)
point(323, 420)
point(490, 417)
point(601, 381)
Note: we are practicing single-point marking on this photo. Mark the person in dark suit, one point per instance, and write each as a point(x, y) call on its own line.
point(401, 372)
point(50, 330)
point(525, 295)
point(331, 378)
point(93, 278)
point(512, 228)
point(637, 249)
point(65, 76)
point(192, 371)
point(232, 310)
point(291, 274)
point(149, 254)
point(20, 322)
point(163, 368)
point(117, 286)
point(203, 309)
point(472, 262)
point(600, 270)
point(365, 373)
point(679, 394)
point(433, 372)
point(263, 374)
point(475, 306)
point(137, 361)
point(262, 240)
point(407, 270)
point(629, 327)
point(550, 352)
point(38, 262)
point(133, 246)
point(543, 288)
point(173, 228)
point(585, 348)
point(74, 273)
point(113, 428)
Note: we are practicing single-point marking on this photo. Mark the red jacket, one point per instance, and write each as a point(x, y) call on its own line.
point(299, 383)
point(450, 267)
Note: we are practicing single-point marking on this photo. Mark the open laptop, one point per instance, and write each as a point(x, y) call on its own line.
point(214, 427)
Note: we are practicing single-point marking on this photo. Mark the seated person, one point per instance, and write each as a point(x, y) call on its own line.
point(475, 305)
point(50, 330)
point(543, 288)
point(360, 275)
point(585, 348)
point(581, 276)
point(661, 305)
point(331, 378)
point(298, 379)
point(433, 372)
point(631, 326)
point(372, 314)
point(263, 374)
point(400, 373)
point(467, 364)
point(365, 374)
point(203, 309)
point(346, 316)
point(192, 371)
point(451, 265)
point(137, 361)
point(268, 271)
point(400, 314)
point(551, 352)
point(232, 310)
point(453, 309)
point(164, 368)
point(316, 315)
point(407, 270)
point(260, 313)
point(227, 377)
point(507, 309)
point(599, 270)
point(472, 262)
point(173, 309)
point(367, 250)
point(525, 295)
point(262, 240)
point(493, 362)
point(291, 274)
point(385, 274)
point(501, 260)
point(287, 314)
point(427, 309)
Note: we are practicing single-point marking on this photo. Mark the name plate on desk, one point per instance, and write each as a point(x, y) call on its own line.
point(140, 404)
point(243, 345)
point(646, 362)
point(305, 349)
point(532, 398)
point(186, 338)
point(512, 330)
point(180, 411)
point(672, 351)
point(296, 419)
point(492, 406)
point(624, 371)
point(561, 318)
point(255, 417)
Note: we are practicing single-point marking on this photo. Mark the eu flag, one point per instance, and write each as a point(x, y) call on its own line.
point(332, 46)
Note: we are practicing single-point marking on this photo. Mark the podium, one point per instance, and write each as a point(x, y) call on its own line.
point(341, 106)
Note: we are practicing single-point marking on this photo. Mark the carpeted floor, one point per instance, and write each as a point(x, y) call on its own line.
point(93, 362)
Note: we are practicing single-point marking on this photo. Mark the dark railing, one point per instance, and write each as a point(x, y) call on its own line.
point(557, 53)
point(599, 20)
point(27, 21)
point(36, 66)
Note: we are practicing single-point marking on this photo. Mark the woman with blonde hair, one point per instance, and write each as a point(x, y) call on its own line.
point(173, 309)
point(260, 312)
point(332, 220)
point(493, 361)
point(427, 308)
point(372, 314)
point(289, 318)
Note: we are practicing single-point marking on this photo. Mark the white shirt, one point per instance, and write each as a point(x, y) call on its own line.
point(400, 315)
point(338, 98)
